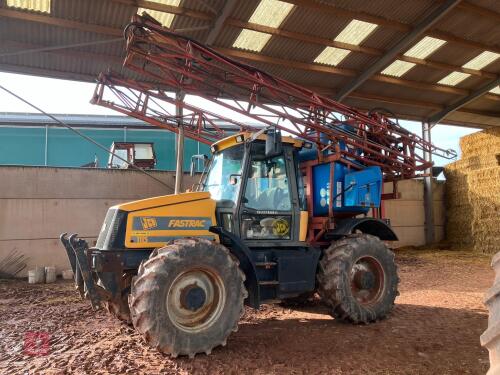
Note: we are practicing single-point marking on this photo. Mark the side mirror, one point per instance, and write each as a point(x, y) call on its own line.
point(202, 157)
point(273, 143)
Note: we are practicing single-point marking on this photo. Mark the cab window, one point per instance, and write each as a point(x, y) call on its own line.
point(224, 164)
point(267, 186)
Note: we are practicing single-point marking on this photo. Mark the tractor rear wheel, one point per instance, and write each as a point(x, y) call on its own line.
point(358, 279)
point(188, 297)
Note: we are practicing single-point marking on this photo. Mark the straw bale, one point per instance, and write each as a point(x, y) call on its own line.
point(484, 142)
point(476, 162)
point(473, 194)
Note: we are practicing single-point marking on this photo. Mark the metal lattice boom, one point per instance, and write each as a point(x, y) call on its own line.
point(176, 63)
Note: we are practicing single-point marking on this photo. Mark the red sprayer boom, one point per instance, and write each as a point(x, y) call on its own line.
point(167, 62)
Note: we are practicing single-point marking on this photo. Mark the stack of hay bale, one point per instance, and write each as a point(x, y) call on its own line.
point(473, 193)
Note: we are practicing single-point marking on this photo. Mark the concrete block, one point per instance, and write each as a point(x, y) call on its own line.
point(409, 236)
point(30, 219)
point(48, 182)
point(405, 212)
point(414, 189)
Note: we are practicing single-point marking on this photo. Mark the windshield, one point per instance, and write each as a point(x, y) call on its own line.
point(224, 164)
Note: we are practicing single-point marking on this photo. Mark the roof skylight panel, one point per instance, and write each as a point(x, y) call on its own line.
point(354, 33)
point(398, 68)
point(331, 56)
point(251, 40)
point(425, 47)
point(34, 5)
point(496, 90)
point(482, 60)
point(454, 78)
point(164, 18)
point(269, 13)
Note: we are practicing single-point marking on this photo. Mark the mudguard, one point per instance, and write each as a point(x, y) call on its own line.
point(242, 253)
point(368, 225)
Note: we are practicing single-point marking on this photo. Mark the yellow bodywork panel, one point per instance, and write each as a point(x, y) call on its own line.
point(243, 136)
point(304, 218)
point(153, 222)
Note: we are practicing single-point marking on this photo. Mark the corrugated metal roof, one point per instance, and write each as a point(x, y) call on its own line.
point(417, 84)
point(408, 13)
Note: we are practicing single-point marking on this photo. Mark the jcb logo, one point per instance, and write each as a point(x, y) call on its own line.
point(173, 223)
point(148, 223)
point(281, 227)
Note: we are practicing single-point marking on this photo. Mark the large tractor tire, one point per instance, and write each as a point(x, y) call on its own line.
point(357, 279)
point(120, 309)
point(188, 297)
point(491, 337)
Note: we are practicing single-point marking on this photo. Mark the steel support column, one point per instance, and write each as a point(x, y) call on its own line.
point(428, 185)
point(180, 144)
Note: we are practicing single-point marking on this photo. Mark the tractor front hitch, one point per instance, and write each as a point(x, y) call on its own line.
point(77, 250)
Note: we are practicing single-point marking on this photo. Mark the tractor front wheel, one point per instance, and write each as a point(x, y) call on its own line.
point(188, 297)
point(358, 279)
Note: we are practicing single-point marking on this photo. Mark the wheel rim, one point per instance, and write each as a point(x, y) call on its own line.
point(367, 280)
point(195, 299)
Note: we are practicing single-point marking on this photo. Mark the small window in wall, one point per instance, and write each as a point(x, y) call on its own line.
point(33, 5)
point(143, 151)
point(118, 163)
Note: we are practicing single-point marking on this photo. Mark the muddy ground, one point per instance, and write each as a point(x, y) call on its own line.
point(434, 329)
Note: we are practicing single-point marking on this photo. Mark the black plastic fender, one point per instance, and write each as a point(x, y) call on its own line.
point(368, 225)
point(242, 253)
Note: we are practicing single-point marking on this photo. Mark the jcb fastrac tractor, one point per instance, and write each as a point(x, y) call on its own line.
point(281, 211)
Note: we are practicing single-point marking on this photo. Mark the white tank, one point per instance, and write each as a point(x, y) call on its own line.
point(36, 276)
point(50, 274)
point(67, 275)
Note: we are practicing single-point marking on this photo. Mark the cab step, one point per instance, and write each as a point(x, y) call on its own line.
point(269, 282)
point(266, 264)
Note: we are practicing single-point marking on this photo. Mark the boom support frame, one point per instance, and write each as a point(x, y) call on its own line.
point(167, 62)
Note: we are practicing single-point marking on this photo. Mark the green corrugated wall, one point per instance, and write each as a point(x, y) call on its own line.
point(26, 146)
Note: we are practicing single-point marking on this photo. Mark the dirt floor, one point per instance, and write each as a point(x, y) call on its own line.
point(434, 329)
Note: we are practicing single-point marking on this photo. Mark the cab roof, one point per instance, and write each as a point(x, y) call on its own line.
point(244, 136)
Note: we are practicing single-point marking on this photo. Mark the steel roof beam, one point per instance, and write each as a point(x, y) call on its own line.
point(54, 21)
point(434, 119)
point(340, 71)
point(219, 21)
point(179, 11)
point(403, 44)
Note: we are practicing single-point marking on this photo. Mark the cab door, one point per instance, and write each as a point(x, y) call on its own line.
point(269, 210)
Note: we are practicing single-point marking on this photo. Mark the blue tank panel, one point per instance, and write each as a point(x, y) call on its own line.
point(353, 192)
point(321, 189)
point(363, 188)
point(344, 202)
